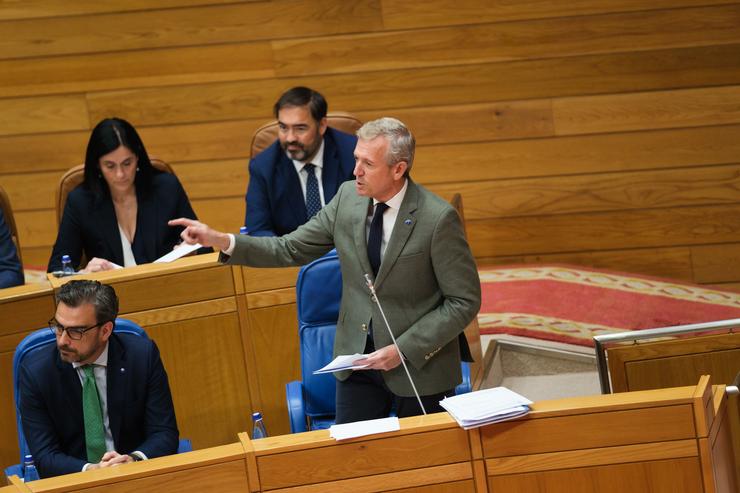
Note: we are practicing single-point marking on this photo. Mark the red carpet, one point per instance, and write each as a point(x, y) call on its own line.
point(572, 304)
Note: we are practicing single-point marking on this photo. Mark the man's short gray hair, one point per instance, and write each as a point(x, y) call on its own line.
point(401, 142)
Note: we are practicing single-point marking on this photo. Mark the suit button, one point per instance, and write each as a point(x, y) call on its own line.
point(427, 356)
point(364, 327)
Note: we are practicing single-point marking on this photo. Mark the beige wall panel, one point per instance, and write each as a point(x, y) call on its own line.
point(675, 475)
point(716, 263)
point(29, 191)
point(660, 149)
point(36, 228)
point(661, 262)
point(509, 41)
point(649, 110)
point(185, 27)
point(141, 68)
point(38, 115)
point(374, 91)
point(205, 364)
point(29, 9)
point(402, 14)
point(604, 231)
point(207, 179)
point(222, 214)
point(42, 152)
point(36, 257)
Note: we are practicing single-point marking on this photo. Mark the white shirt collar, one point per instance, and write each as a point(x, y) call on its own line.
point(395, 201)
point(318, 159)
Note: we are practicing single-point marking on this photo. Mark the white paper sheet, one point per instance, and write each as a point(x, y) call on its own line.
point(178, 252)
point(345, 362)
point(363, 428)
point(485, 406)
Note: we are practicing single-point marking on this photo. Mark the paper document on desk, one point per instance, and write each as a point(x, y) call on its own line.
point(340, 363)
point(487, 406)
point(362, 428)
point(182, 250)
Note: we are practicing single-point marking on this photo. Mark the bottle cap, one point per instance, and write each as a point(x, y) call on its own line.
point(256, 416)
point(243, 230)
point(28, 458)
point(65, 258)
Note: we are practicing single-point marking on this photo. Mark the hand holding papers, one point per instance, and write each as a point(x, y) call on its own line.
point(484, 407)
point(340, 363)
point(362, 428)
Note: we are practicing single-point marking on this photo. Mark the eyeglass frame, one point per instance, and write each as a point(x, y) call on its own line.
point(80, 331)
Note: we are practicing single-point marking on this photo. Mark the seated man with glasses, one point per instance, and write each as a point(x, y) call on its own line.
point(97, 398)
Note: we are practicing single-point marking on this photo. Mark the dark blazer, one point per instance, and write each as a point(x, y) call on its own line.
point(275, 203)
point(89, 224)
point(140, 409)
point(11, 273)
point(428, 282)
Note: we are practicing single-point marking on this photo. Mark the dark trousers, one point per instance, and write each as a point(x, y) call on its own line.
point(364, 395)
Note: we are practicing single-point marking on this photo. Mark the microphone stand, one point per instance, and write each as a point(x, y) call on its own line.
point(371, 286)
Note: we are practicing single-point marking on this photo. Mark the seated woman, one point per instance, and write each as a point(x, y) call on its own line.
point(119, 214)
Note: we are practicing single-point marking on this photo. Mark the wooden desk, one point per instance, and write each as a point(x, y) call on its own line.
point(661, 440)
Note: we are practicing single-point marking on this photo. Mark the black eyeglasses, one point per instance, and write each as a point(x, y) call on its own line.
point(74, 333)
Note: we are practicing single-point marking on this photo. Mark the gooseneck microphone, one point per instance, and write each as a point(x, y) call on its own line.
point(374, 296)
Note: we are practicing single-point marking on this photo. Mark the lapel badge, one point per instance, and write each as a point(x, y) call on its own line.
point(407, 222)
point(123, 370)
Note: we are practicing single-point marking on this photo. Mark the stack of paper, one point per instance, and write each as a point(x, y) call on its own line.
point(362, 428)
point(485, 406)
point(346, 362)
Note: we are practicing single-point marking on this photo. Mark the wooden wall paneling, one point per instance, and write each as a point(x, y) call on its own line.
point(40, 152)
point(37, 228)
point(43, 114)
point(540, 38)
point(185, 27)
point(137, 68)
point(716, 263)
point(222, 214)
point(541, 78)
point(52, 8)
point(31, 191)
point(647, 110)
point(648, 228)
point(399, 14)
point(597, 192)
point(207, 372)
point(209, 179)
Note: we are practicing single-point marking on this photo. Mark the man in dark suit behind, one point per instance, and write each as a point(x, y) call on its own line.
point(131, 416)
point(279, 192)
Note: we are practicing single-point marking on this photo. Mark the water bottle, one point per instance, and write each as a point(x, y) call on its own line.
point(258, 427)
point(29, 470)
point(243, 230)
point(67, 268)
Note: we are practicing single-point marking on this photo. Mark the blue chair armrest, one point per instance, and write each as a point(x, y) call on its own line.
point(185, 445)
point(465, 386)
point(296, 409)
point(14, 470)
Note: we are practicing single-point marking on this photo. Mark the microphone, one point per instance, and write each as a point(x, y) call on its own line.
point(374, 297)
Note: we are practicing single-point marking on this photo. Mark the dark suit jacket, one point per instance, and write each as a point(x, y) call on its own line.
point(11, 273)
point(275, 203)
point(428, 282)
point(140, 409)
point(89, 224)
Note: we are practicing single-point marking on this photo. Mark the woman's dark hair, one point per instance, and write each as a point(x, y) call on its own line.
point(107, 136)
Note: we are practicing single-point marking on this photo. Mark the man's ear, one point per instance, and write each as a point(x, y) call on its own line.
point(106, 330)
point(323, 124)
point(399, 170)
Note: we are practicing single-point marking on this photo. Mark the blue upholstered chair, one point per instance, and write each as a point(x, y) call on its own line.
point(31, 343)
point(311, 402)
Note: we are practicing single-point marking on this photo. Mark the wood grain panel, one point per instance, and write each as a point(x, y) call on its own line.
point(649, 110)
point(604, 231)
point(364, 458)
point(722, 365)
point(273, 335)
point(401, 14)
point(139, 68)
point(185, 26)
point(31, 191)
point(598, 192)
point(222, 214)
point(208, 179)
point(716, 263)
point(42, 152)
point(36, 228)
point(46, 114)
point(676, 476)
point(53, 8)
point(660, 149)
point(479, 43)
point(596, 74)
point(583, 431)
point(9, 451)
point(207, 375)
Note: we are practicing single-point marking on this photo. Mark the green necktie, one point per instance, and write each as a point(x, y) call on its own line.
point(93, 415)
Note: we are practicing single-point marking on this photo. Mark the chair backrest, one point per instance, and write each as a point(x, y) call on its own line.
point(33, 342)
point(265, 135)
point(75, 176)
point(10, 221)
point(318, 295)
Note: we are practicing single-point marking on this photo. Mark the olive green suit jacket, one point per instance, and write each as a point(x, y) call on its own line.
point(427, 284)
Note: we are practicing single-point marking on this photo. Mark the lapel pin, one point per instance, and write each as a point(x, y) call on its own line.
point(123, 370)
point(407, 222)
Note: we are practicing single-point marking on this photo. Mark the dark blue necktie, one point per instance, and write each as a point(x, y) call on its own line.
point(376, 237)
point(313, 199)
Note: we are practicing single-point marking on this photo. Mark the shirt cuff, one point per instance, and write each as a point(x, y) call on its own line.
point(138, 454)
point(84, 468)
point(232, 245)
